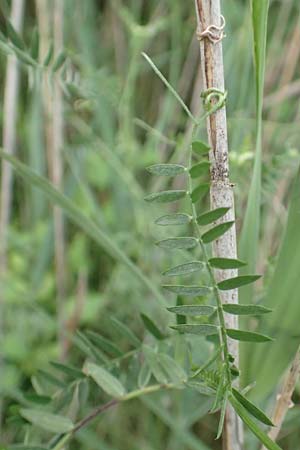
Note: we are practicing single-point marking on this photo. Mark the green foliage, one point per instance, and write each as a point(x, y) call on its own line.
point(119, 119)
point(49, 422)
point(104, 379)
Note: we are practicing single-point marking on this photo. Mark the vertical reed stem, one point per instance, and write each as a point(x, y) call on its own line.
point(208, 13)
point(51, 17)
point(9, 139)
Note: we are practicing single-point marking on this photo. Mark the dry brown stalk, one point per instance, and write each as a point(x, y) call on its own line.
point(221, 193)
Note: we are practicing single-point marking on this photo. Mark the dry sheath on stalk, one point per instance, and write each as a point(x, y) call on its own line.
point(210, 33)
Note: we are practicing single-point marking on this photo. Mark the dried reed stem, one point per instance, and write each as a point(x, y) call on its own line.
point(51, 17)
point(221, 194)
point(9, 139)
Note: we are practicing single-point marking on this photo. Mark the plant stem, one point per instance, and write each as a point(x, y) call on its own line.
point(50, 16)
point(102, 408)
point(10, 113)
point(223, 336)
point(284, 398)
point(208, 12)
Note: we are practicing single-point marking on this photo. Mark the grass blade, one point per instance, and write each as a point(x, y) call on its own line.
point(86, 224)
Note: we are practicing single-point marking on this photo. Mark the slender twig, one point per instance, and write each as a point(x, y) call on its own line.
point(10, 112)
point(284, 398)
point(95, 413)
point(106, 406)
point(208, 13)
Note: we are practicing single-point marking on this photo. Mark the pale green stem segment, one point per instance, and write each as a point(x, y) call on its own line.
point(220, 97)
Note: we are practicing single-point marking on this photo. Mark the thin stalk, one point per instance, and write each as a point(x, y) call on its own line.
point(208, 12)
point(102, 408)
point(57, 178)
point(10, 115)
point(220, 312)
point(284, 398)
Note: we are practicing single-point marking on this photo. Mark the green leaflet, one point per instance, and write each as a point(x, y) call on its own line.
point(201, 387)
point(173, 219)
point(199, 169)
point(179, 318)
point(189, 291)
point(241, 310)
point(201, 329)
point(165, 196)
point(25, 447)
point(169, 170)
point(152, 360)
point(216, 232)
point(221, 389)
point(59, 61)
point(192, 310)
point(226, 263)
point(110, 384)
point(49, 55)
point(179, 242)
point(38, 399)
point(247, 336)
point(49, 422)
point(211, 216)
point(174, 371)
point(104, 344)
point(199, 192)
point(233, 283)
point(247, 419)
point(35, 44)
point(252, 409)
point(125, 331)
point(184, 269)
point(151, 327)
point(14, 36)
point(51, 379)
point(88, 348)
point(222, 415)
point(200, 148)
point(144, 375)
point(71, 371)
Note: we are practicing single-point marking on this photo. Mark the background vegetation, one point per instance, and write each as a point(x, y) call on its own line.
point(121, 120)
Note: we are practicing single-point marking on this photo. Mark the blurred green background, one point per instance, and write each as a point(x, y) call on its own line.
point(122, 119)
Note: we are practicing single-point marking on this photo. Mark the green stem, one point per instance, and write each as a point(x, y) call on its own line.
point(220, 312)
point(102, 408)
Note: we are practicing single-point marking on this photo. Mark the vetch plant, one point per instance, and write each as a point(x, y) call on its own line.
point(208, 319)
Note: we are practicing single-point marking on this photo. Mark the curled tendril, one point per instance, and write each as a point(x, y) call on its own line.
point(213, 33)
point(208, 96)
